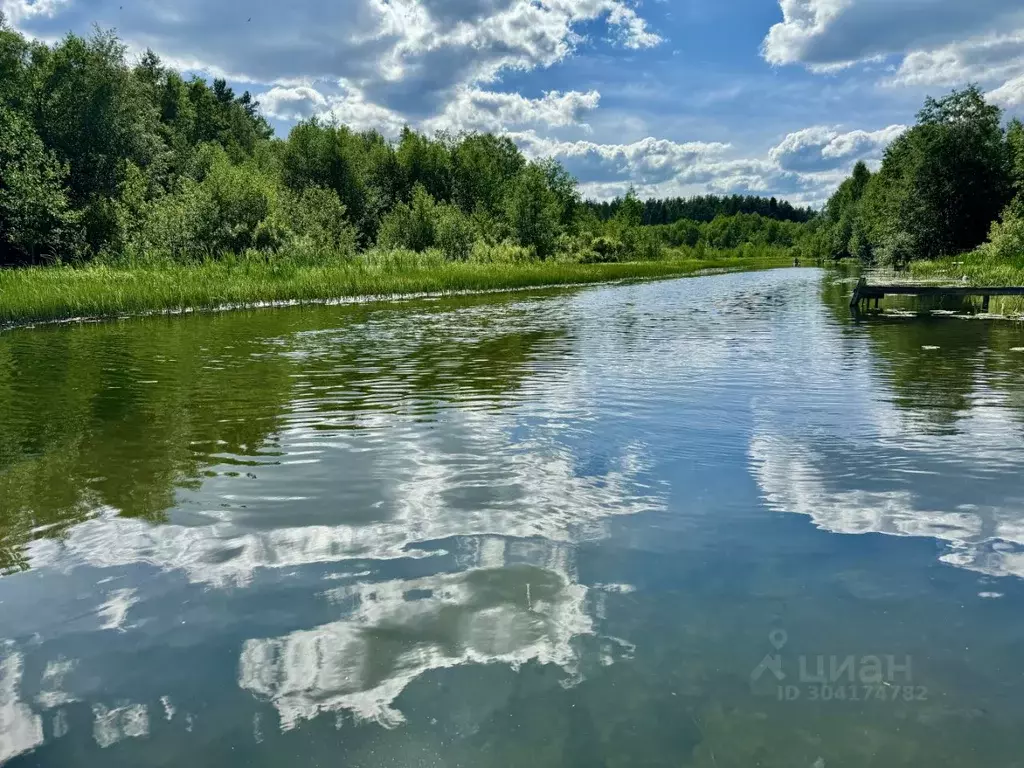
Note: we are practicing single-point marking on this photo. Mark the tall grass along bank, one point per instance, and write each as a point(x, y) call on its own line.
point(978, 268)
point(96, 290)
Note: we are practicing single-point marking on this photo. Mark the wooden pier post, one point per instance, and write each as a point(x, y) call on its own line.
point(855, 298)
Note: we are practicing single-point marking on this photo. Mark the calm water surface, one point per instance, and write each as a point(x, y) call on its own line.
point(702, 522)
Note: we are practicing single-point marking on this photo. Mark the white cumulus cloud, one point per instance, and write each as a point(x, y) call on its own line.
point(1010, 94)
point(295, 103)
point(935, 42)
point(475, 109)
point(836, 32)
point(409, 56)
point(647, 161)
point(823, 148)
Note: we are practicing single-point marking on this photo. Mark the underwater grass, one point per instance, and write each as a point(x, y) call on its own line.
point(49, 293)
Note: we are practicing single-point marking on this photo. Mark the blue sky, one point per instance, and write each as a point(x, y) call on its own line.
point(676, 97)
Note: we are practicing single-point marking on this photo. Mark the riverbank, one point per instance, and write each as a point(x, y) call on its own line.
point(40, 294)
point(977, 269)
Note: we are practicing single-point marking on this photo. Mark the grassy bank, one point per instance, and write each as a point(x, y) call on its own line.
point(979, 269)
point(57, 293)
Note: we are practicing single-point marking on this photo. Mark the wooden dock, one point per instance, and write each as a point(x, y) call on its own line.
point(865, 293)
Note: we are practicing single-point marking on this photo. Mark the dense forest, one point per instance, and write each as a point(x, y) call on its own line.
point(106, 160)
point(109, 161)
point(951, 184)
point(705, 208)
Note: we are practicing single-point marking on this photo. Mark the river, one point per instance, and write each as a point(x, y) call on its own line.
point(700, 522)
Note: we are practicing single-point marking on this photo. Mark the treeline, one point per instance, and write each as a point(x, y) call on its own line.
point(728, 232)
point(706, 208)
point(105, 159)
point(100, 159)
point(89, 144)
point(951, 183)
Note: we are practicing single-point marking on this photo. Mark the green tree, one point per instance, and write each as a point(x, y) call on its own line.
point(426, 162)
point(35, 217)
point(565, 188)
point(94, 115)
point(533, 211)
point(944, 181)
point(1015, 143)
point(631, 210)
point(483, 165)
point(16, 73)
point(325, 156)
point(844, 233)
point(384, 182)
point(411, 226)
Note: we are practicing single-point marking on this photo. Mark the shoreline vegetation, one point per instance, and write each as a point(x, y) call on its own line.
point(52, 294)
point(126, 188)
point(946, 204)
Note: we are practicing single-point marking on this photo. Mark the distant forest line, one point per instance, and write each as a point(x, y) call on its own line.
point(705, 208)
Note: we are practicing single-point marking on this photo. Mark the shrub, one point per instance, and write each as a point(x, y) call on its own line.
point(316, 220)
point(605, 250)
point(1006, 239)
point(898, 250)
point(453, 233)
point(245, 198)
point(180, 226)
point(410, 226)
point(641, 244)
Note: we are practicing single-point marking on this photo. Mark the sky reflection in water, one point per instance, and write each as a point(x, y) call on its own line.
point(542, 529)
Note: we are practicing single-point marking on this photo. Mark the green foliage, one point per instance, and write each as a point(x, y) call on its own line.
point(93, 114)
point(179, 227)
point(501, 253)
point(898, 249)
point(131, 163)
point(232, 208)
point(845, 232)
point(244, 199)
point(605, 250)
point(454, 234)
point(941, 185)
point(728, 232)
point(565, 189)
point(483, 165)
point(36, 220)
point(16, 72)
point(1006, 239)
point(426, 162)
point(325, 156)
point(683, 232)
point(704, 208)
point(642, 244)
point(532, 210)
point(426, 224)
point(630, 212)
point(1015, 143)
point(410, 226)
point(315, 218)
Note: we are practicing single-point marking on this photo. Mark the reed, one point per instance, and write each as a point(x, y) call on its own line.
point(103, 290)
